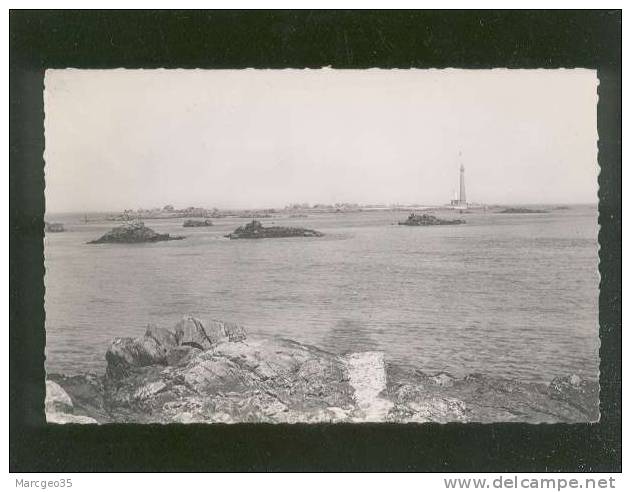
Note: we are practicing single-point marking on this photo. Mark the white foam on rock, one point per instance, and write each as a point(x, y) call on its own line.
point(367, 373)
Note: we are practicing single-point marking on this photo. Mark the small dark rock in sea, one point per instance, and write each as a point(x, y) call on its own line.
point(53, 227)
point(518, 210)
point(254, 216)
point(197, 223)
point(428, 220)
point(134, 233)
point(255, 230)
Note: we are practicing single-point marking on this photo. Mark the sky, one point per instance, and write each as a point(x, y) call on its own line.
point(250, 138)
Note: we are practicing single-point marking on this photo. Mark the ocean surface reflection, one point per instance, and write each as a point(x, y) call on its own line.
point(506, 295)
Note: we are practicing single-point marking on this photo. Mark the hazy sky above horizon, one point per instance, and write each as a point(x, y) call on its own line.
point(264, 138)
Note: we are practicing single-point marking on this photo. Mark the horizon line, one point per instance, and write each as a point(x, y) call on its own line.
point(359, 205)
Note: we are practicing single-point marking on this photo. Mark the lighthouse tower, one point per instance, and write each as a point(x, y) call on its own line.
point(460, 201)
point(462, 197)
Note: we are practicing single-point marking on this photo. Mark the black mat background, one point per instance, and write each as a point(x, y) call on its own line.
point(278, 39)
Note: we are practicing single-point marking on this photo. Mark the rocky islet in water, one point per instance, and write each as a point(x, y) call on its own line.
point(428, 220)
point(133, 233)
point(197, 223)
point(256, 230)
point(211, 372)
point(54, 227)
point(521, 210)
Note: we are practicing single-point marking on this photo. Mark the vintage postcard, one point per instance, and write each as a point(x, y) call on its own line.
point(310, 246)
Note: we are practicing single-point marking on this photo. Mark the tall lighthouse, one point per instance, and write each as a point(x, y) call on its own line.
point(460, 200)
point(462, 197)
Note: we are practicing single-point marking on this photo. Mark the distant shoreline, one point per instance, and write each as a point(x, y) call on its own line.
point(276, 212)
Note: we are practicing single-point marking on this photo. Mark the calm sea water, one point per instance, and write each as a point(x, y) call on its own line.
point(506, 295)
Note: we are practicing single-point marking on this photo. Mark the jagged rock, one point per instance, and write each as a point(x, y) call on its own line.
point(209, 373)
point(197, 223)
point(268, 380)
point(60, 408)
point(219, 331)
point(126, 353)
point(162, 336)
point(428, 220)
point(579, 393)
point(442, 379)
point(67, 418)
point(190, 331)
point(413, 404)
point(133, 233)
point(124, 395)
point(181, 355)
point(186, 410)
point(164, 347)
point(57, 400)
point(255, 230)
point(87, 394)
point(194, 332)
point(486, 399)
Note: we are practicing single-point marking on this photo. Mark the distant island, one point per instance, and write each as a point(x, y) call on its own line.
point(303, 210)
point(518, 210)
point(167, 212)
point(136, 232)
point(297, 210)
point(255, 230)
point(428, 220)
point(254, 216)
point(197, 223)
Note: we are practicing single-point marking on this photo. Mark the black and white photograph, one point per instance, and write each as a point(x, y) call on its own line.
point(309, 246)
point(380, 245)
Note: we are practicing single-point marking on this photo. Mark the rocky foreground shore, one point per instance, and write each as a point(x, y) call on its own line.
point(209, 372)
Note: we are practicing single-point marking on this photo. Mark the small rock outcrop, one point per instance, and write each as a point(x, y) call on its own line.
point(210, 371)
point(419, 397)
point(53, 227)
point(191, 331)
point(254, 216)
point(518, 210)
point(197, 223)
point(126, 353)
point(134, 233)
point(577, 392)
point(255, 230)
point(428, 220)
point(59, 407)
